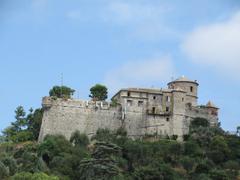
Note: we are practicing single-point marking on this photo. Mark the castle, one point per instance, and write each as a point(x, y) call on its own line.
point(140, 111)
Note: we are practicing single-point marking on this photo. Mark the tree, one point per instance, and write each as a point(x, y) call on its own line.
point(217, 174)
point(202, 176)
point(204, 166)
point(4, 171)
point(103, 135)
point(203, 136)
point(61, 92)
point(54, 145)
point(158, 171)
point(35, 176)
point(18, 132)
point(2, 139)
point(34, 119)
point(26, 127)
point(79, 139)
point(99, 92)
point(238, 131)
point(11, 164)
point(188, 163)
point(175, 150)
point(61, 157)
point(102, 164)
point(219, 149)
point(191, 148)
point(199, 122)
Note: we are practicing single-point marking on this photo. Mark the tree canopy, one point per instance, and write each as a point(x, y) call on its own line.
point(99, 92)
point(61, 92)
point(25, 127)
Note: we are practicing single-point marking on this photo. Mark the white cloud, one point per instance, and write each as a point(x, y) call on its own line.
point(144, 20)
point(216, 45)
point(130, 12)
point(145, 73)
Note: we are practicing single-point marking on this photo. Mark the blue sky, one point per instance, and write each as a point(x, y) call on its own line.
point(120, 43)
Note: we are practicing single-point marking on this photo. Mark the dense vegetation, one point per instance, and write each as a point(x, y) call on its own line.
point(207, 153)
point(25, 127)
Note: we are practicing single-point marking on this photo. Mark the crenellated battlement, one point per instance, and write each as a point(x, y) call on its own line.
point(48, 102)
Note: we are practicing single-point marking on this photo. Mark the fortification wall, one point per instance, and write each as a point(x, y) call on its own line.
point(66, 116)
point(158, 125)
point(201, 112)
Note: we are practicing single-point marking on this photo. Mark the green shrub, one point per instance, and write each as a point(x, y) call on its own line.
point(4, 171)
point(35, 176)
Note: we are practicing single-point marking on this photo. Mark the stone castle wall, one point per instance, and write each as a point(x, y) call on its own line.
point(201, 112)
point(64, 116)
point(140, 111)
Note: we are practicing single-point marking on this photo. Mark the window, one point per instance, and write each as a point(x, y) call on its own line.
point(168, 99)
point(189, 105)
point(191, 89)
point(182, 99)
point(160, 98)
point(128, 94)
point(167, 109)
point(167, 119)
point(140, 103)
point(129, 102)
point(154, 97)
point(153, 110)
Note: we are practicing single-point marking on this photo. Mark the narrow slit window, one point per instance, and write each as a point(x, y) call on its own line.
point(153, 110)
point(191, 89)
point(167, 109)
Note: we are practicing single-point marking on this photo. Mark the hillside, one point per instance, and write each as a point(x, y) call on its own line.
point(206, 153)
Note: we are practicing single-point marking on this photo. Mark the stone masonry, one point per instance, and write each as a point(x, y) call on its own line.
point(140, 111)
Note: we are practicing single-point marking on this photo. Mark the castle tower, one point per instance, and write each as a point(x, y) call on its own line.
point(178, 112)
point(213, 113)
point(189, 86)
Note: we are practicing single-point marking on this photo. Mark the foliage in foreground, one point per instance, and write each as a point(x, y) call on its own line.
point(26, 127)
point(206, 153)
